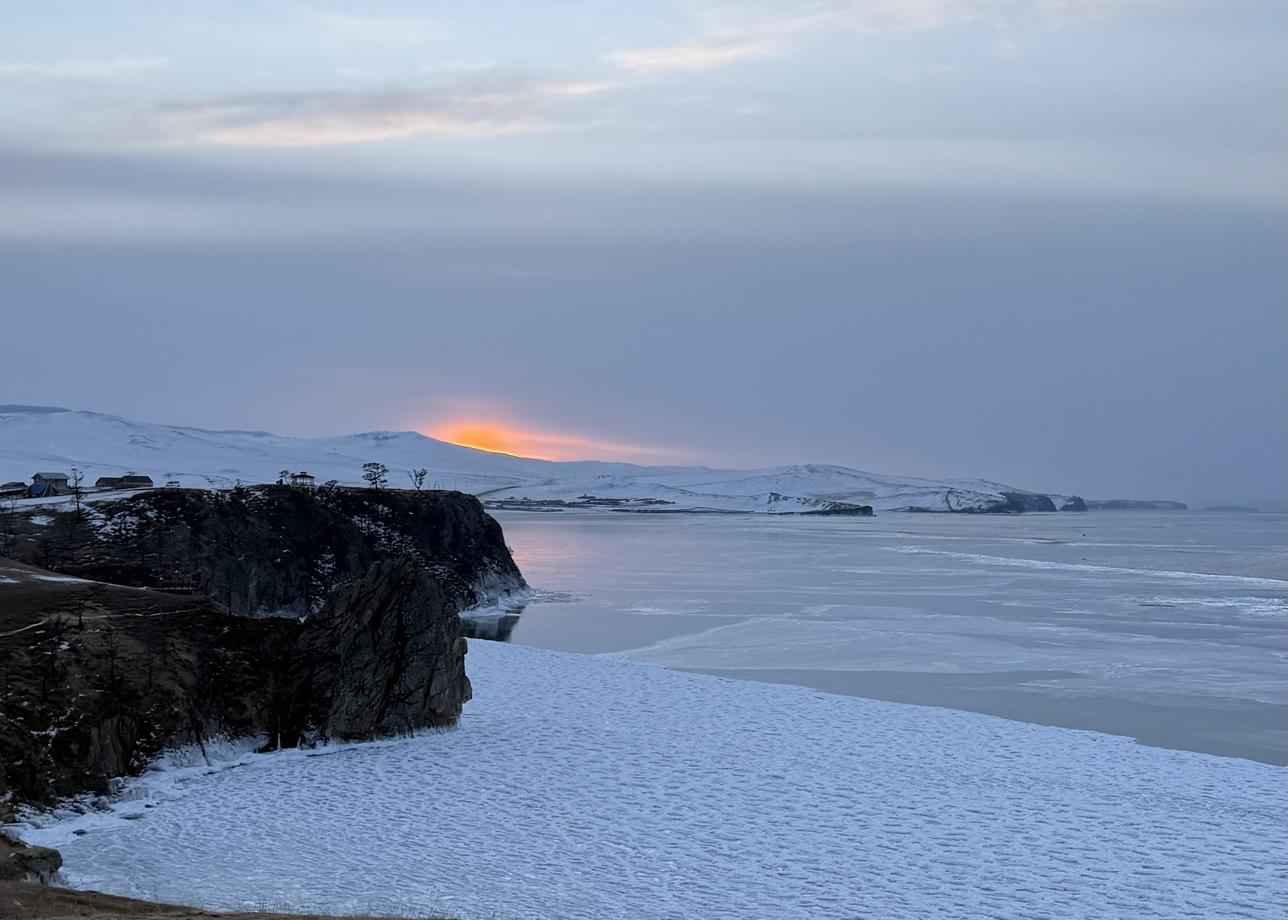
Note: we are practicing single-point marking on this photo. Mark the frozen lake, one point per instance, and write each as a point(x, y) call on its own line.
point(590, 788)
point(1167, 627)
point(606, 786)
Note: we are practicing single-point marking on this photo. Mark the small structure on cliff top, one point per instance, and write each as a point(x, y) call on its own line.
point(128, 481)
point(44, 485)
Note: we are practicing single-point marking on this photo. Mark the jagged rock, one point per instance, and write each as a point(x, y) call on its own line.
point(1073, 503)
point(385, 663)
point(22, 863)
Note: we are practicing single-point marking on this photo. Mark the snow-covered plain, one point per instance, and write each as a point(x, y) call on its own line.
point(590, 787)
point(33, 439)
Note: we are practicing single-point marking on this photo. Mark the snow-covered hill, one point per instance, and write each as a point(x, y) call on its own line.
point(38, 439)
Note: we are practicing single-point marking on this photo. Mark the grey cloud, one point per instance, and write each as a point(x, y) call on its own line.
point(1091, 345)
point(484, 107)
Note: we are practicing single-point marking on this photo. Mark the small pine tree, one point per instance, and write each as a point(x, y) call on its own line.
point(376, 474)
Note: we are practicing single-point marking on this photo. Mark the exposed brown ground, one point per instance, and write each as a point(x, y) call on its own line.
point(26, 901)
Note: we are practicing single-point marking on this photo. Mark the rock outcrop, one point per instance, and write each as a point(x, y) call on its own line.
point(1074, 503)
point(20, 862)
point(274, 550)
point(1021, 502)
point(100, 677)
point(1009, 503)
point(378, 667)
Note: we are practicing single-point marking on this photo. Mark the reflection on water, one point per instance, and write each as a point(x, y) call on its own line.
point(495, 627)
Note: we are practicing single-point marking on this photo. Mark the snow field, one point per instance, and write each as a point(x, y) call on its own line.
point(591, 787)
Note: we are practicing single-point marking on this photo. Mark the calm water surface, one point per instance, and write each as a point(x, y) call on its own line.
point(1171, 628)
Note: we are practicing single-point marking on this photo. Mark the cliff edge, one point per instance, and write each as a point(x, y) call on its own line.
point(177, 616)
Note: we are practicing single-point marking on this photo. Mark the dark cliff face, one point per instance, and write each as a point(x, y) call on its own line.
point(275, 550)
point(1009, 503)
point(1021, 502)
point(97, 678)
point(376, 666)
point(1074, 503)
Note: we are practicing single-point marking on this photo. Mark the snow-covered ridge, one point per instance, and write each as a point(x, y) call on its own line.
point(42, 438)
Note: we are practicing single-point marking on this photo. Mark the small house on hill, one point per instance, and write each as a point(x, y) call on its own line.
point(44, 485)
point(302, 479)
point(128, 481)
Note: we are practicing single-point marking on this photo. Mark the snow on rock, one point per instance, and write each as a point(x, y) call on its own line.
point(590, 787)
point(104, 445)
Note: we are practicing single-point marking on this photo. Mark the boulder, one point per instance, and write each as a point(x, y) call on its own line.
point(22, 863)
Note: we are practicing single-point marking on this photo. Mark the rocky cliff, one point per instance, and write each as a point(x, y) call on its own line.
point(274, 550)
point(22, 863)
point(143, 624)
point(1021, 502)
point(1010, 502)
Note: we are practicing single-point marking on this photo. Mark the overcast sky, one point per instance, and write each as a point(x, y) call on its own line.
point(1039, 241)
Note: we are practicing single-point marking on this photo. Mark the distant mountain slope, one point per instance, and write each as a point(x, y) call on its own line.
point(44, 438)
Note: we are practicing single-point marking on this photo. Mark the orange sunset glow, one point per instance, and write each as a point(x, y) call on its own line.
point(492, 437)
point(503, 438)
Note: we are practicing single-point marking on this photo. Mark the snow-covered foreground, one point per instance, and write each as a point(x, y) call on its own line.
point(590, 787)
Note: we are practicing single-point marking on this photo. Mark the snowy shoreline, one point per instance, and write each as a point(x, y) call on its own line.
point(615, 789)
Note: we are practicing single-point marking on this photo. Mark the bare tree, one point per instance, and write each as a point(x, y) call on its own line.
point(283, 477)
point(78, 491)
point(418, 478)
point(90, 597)
point(376, 474)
